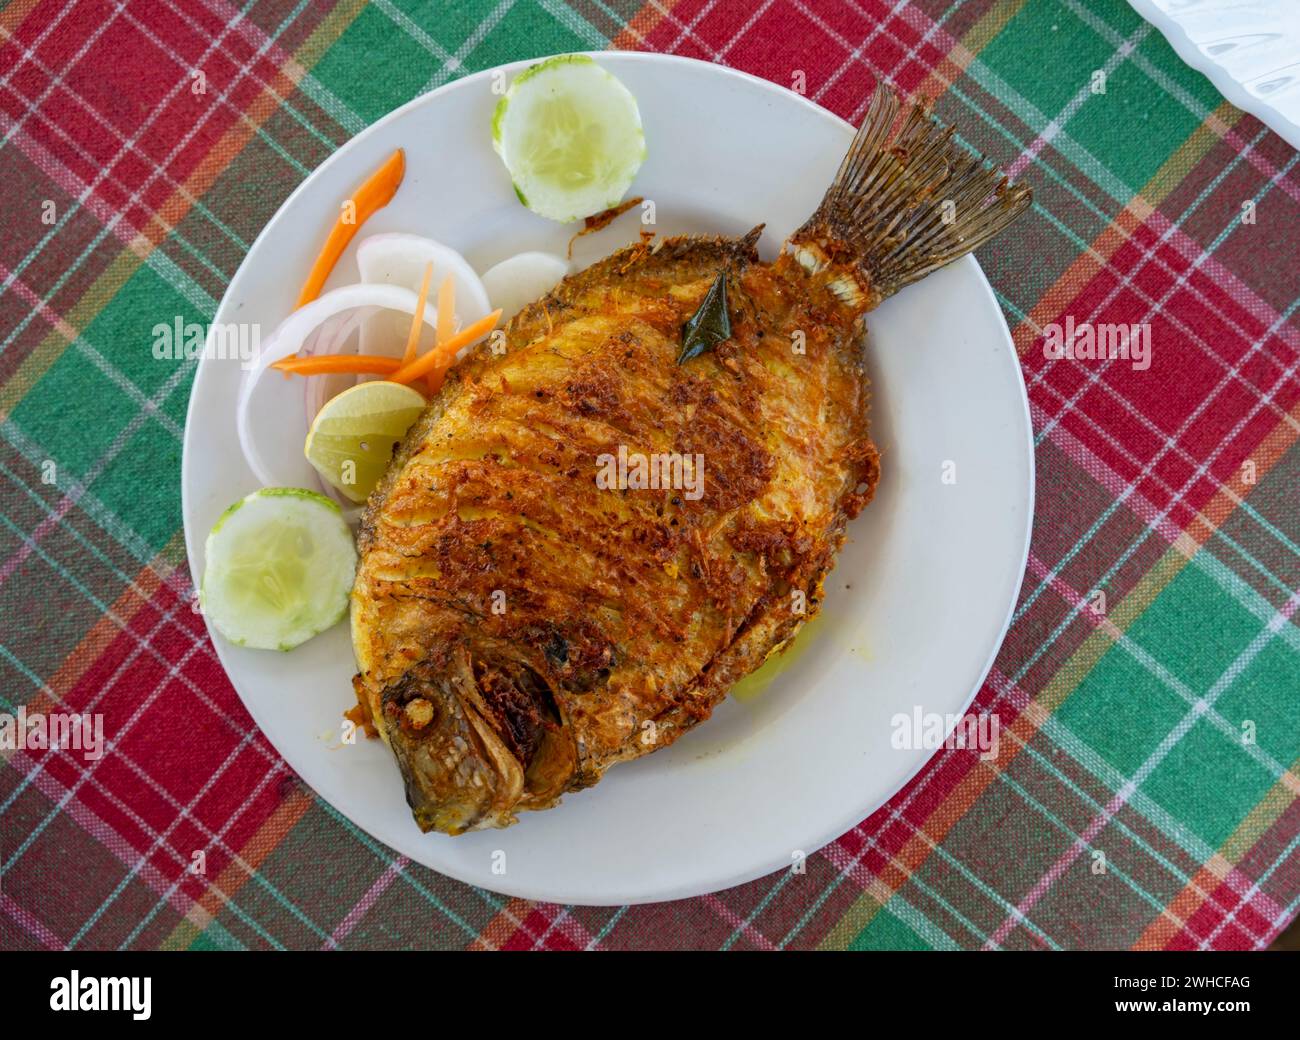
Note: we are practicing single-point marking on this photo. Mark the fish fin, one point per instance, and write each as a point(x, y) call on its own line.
point(746, 247)
point(904, 203)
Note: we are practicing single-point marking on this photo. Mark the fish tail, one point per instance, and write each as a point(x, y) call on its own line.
point(904, 203)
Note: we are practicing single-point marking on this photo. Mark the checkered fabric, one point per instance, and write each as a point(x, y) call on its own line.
point(1149, 689)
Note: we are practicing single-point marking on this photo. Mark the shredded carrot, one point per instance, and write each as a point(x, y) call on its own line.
point(446, 327)
point(446, 310)
point(377, 191)
point(417, 320)
point(435, 361)
point(362, 364)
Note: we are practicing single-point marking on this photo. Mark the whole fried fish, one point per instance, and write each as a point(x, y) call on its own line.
point(588, 537)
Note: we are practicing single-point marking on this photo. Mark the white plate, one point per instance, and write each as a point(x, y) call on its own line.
point(934, 568)
point(1249, 49)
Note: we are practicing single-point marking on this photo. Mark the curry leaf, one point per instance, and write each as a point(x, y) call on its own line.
point(708, 326)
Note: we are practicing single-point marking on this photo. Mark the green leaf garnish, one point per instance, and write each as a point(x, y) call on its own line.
point(708, 326)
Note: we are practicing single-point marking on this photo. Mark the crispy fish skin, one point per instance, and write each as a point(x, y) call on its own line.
point(519, 627)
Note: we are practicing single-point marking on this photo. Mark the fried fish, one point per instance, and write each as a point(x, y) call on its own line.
point(593, 533)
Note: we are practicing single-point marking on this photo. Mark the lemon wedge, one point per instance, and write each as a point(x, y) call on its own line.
point(352, 437)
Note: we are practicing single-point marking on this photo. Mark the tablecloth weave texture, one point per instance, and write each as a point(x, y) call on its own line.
point(1145, 790)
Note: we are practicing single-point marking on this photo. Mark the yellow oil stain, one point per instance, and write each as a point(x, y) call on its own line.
point(762, 677)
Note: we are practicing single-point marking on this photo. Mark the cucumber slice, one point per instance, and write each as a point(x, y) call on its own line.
point(280, 568)
point(570, 135)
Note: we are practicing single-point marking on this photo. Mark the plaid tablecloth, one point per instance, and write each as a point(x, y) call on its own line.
point(1145, 793)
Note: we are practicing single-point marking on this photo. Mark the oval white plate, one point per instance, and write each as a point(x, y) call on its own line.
point(915, 610)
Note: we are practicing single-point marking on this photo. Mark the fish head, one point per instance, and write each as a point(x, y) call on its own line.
point(475, 741)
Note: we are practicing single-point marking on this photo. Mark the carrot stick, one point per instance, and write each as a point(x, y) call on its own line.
point(417, 320)
point(377, 191)
point(446, 310)
point(435, 361)
point(362, 364)
point(446, 327)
